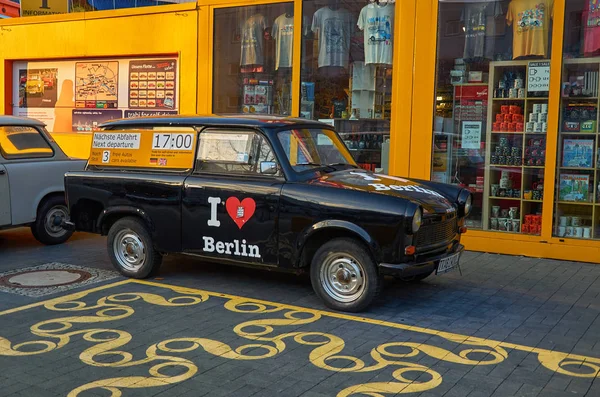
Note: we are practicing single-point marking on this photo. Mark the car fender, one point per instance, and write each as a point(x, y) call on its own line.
point(124, 210)
point(39, 199)
point(340, 225)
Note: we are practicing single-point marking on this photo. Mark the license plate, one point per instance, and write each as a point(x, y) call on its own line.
point(448, 264)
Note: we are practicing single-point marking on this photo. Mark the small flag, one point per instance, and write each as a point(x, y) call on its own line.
point(153, 160)
point(162, 162)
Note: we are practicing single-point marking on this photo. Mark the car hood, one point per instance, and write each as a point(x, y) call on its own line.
point(429, 199)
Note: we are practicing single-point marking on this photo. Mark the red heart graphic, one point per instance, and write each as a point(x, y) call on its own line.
point(240, 212)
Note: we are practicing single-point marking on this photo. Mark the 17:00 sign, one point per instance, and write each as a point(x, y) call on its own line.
point(162, 141)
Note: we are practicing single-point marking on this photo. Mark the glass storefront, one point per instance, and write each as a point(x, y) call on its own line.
point(491, 109)
point(577, 195)
point(252, 67)
point(346, 73)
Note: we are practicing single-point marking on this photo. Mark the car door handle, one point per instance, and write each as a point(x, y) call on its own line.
point(2, 172)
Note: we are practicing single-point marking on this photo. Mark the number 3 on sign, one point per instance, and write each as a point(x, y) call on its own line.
point(106, 156)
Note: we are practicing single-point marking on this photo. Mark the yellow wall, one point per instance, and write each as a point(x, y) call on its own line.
point(145, 31)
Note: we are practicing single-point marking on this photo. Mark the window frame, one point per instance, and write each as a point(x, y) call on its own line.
point(29, 156)
point(233, 130)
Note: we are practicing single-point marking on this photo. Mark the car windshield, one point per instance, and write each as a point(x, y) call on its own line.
point(307, 149)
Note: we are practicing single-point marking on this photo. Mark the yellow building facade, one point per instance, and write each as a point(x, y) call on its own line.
point(415, 86)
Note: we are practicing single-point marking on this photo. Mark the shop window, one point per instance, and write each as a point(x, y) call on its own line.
point(252, 70)
point(491, 108)
point(23, 143)
point(577, 197)
point(346, 73)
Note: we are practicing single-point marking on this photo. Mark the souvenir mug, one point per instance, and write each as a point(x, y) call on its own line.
point(525, 228)
point(495, 211)
point(516, 225)
point(562, 221)
point(494, 223)
point(513, 212)
point(569, 231)
point(516, 193)
point(495, 188)
point(562, 230)
point(502, 222)
point(504, 213)
point(527, 194)
point(536, 219)
point(578, 231)
point(576, 221)
point(529, 219)
point(587, 232)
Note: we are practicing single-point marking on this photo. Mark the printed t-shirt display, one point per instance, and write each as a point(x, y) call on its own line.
point(479, 36)
point(283, 33)
point(377, 23)
point(252, 40)
point(334, 28)
point(591, 24)
point(531, 26)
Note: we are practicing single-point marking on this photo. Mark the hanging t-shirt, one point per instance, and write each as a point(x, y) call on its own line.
point(363, 76)
point(531, 26)
point(334, 28)
point(252, 40)
point(479, 37)
point(283, 33)
point(591, 28)
point(377, 23)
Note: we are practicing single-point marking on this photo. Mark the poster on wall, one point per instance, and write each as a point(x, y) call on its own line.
point(80, 94)
point(37, 88)
point(88, 120)
point(97, 85)
point(152, 84)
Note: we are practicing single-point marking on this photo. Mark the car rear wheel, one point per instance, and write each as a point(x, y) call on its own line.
point(131, 250)
point(344, 275)
point(47, 228)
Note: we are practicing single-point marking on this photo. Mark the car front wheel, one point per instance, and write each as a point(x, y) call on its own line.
point(47, 228)
point(344, 275)
point(131, 250)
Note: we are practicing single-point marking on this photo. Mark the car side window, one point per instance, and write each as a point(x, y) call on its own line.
point(240, 152)
point(21, 142)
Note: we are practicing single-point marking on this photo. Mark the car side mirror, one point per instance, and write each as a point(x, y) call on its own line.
point(268, 167)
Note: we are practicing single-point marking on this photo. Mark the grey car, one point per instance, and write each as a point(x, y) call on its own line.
point(32, 169)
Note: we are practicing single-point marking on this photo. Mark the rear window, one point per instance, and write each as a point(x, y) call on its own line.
point(21, 142)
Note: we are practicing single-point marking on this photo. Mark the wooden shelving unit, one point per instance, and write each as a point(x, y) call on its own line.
point(586, 210)
point(493, 171)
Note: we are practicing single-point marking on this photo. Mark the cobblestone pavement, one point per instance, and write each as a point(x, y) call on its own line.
point(509, 326)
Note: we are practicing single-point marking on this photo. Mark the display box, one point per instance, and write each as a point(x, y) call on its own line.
point(578, 153)
point(574, 187)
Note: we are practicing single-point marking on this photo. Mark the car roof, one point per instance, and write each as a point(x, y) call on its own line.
point(14, 120)
point(233, 120)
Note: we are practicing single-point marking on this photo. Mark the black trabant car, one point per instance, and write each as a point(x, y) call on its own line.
point(267, 192)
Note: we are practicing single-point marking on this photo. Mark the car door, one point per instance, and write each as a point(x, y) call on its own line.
point(4, 197)
point(26, 152)
point(231, 201)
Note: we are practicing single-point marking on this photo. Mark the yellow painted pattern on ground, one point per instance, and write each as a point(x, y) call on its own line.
point(327, 349)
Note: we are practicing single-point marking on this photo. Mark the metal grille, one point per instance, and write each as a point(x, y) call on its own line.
point(435, 233)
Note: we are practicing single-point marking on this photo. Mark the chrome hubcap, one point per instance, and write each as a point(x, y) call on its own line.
point(53, 221)
point(342, 277)
point(129, 250)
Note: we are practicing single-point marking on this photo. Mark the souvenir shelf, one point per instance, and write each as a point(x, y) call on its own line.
point(577, 175)
point(515, 148)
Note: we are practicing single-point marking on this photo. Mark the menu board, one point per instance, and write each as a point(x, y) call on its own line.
point(152, 84)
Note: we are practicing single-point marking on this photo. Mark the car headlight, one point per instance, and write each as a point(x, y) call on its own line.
point(468, 205)
point(417, 220)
